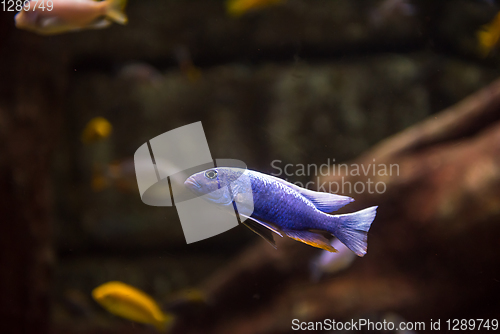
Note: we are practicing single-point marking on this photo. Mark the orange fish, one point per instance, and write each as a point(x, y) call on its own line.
point(50, 17)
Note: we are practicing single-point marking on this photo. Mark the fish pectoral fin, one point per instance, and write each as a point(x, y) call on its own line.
point(311, 239)
point(54, 25)
point(260, 230)
point(263, 224)
point(100, 24)
point(52, 21)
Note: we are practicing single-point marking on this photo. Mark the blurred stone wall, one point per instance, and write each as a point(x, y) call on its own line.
point(300, 83)
point(32, 87)
point(266, 115)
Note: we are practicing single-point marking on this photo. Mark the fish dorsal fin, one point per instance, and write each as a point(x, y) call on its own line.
point(311, 239)
point(325, 202)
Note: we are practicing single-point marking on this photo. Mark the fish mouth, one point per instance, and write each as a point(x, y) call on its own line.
point(192, 185)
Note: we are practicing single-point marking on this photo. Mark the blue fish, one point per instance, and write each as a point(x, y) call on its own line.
point(282, 207)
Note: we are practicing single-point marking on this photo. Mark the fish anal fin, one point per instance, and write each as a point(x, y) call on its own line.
point(311, 239)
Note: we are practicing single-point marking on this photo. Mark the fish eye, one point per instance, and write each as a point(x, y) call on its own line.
point(211, 174)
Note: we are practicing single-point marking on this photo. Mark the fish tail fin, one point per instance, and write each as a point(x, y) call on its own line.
point(353, 229)
point(116, 11)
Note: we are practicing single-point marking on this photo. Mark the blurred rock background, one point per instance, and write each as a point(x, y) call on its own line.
point(302, 82)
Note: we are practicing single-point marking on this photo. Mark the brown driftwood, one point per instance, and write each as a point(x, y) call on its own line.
point(432, 248)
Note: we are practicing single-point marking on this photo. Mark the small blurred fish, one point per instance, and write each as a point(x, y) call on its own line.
point(130, 303)
point(121, 174)
point(488, 36)
point(185, 299)
point(98, 128)
point(280, 206)
point(139, 72)
point(389, 9)
point(239, 7)
point(183, 57)
point(329, 263)
point(191, 296)
point(69, 15)
point(118, 174)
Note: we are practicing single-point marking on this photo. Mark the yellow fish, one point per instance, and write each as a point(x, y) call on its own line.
point(97, 128)
point(488, 36)
point(49, 17)
point(130, 303)
point(240, 7)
